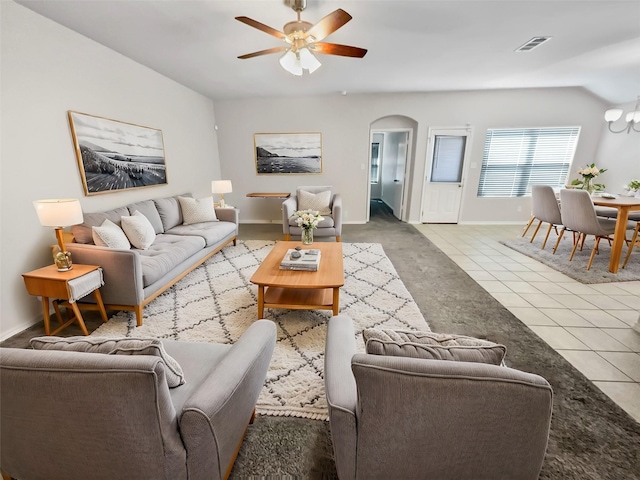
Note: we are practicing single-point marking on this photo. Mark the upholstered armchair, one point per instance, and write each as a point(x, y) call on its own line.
point(78, 415)
point(322, 199)
point(398, 417)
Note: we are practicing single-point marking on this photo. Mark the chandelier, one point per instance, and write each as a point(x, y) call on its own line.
point(632, 118)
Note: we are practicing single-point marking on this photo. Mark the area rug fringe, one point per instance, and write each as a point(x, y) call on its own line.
point(216, 303)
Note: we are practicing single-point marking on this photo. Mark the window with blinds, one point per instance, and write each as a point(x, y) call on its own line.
point(514, 159)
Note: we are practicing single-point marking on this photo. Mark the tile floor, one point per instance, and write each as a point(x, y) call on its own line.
point(589, 325)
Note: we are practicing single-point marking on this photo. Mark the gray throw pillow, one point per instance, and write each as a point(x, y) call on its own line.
point(433, 346)
point(115, 346)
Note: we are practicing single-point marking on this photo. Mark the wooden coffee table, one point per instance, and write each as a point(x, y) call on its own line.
point(300, 290)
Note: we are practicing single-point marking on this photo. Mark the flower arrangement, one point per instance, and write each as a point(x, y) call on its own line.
point(308, 220)
point(588, 174)
point(632, 186)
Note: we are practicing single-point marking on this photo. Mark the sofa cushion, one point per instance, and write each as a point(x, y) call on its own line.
point(433, 346)
point(319, 202)
point(166, 253)
point(83, 233)
point(211, 232)
point(149, 210)
point(115, 346)
point(110, 235)
point(197, 210)
point(169, 211)
point(139, 230)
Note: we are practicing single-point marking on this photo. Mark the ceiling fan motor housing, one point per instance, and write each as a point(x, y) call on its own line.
point(298, 5)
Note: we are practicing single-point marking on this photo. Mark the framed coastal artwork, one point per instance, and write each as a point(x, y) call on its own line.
point(288, 153)
point(115, 156)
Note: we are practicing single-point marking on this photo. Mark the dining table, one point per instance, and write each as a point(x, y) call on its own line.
point(624, 205)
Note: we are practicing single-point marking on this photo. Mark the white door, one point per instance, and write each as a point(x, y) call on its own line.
point(400, 164)
point(442, 194)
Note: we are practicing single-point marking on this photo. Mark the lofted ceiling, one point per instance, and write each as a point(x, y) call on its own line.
point(413, 45)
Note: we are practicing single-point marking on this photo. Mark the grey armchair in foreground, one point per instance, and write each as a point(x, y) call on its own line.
point(396, 417)
point(80, 415)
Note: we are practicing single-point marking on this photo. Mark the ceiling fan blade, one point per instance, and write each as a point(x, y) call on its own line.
point(261, 26)
point(328, 25)
point(264, 52)
point(336, 49)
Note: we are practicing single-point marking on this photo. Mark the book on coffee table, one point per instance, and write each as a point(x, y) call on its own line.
point(309, 260)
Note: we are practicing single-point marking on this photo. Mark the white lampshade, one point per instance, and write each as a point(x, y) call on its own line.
point(612, 114)
point(291, 63)
point(633, 117)
point(59, 212)
point(221, 186)
point(308, 60)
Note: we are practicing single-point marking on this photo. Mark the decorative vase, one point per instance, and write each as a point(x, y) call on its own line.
point(588, 186)
point(307, 236)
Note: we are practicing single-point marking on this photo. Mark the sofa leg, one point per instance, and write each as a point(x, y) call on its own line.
point(253, 417)
point(138, 309)
point(235, 241)
point(338, 238)
point(287, 237)
point(6, 477)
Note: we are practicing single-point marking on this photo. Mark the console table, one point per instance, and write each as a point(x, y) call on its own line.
point(269, 195)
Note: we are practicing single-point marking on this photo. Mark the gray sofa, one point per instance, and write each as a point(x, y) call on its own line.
point(133, 278)
point(399, 417)
point(78, 416)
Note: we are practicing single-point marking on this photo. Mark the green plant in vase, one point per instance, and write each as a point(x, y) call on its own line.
point(308, 220)
point(588, 174)
point(633, 188)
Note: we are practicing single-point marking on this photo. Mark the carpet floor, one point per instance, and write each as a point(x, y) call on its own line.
point(591, 437)
point(577, 268)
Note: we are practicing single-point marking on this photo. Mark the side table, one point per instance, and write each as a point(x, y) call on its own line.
point(69, 287)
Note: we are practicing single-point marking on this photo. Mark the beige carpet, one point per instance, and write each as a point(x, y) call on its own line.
point(216, 303)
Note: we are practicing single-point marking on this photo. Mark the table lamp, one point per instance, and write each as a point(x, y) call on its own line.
point(59, 213)
point(221, 187)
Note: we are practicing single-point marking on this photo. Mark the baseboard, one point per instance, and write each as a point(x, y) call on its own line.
point(16, 330)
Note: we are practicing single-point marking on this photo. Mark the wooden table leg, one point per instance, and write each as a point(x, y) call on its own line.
point(103, 312)
point(260, 301)
point(45, 312)
point(618, 239)
point(76, 310)
point(336, 300)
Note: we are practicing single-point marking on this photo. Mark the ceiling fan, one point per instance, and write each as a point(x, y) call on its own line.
point(304, 39)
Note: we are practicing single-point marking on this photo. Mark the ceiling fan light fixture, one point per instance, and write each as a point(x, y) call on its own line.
point(308, 60)
point(291, 63)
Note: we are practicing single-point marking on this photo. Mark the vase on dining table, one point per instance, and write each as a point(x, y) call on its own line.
point(589, 186)
point(307, 236)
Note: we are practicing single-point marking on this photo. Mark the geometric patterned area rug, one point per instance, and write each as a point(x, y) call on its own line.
point(577, 268)
point(216, 303)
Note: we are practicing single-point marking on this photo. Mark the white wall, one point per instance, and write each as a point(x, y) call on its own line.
point(47, 70)
point(345, 120)
point(619, 153)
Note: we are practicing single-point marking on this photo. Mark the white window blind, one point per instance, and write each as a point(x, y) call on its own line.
point(448, 154)
point(514, 159)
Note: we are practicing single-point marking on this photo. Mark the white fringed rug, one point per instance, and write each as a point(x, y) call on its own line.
point(217, 303)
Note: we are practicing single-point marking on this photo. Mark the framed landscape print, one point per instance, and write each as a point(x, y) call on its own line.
point(114, 156)
point(288, 153)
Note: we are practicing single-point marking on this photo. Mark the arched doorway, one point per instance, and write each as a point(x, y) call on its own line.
point(391, 163)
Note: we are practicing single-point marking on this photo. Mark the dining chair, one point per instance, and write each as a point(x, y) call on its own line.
point(544, 208)
point(579, 214)
point(635, 240)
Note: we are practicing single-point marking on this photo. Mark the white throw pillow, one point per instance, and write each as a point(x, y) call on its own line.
point(110, 235)
point(139, 230)
point(197, 210)
point(315, 201)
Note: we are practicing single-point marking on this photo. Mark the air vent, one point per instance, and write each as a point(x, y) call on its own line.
point(533, 43)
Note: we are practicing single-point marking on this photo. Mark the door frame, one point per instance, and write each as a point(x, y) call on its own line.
point(403, 203)
point(428, 162)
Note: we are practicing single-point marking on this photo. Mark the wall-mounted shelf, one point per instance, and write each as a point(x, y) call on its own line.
point(269, 195)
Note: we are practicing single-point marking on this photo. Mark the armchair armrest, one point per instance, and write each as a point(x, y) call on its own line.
point(214, 419)
point(289, 206)
point(122, 270)
point(336, 213)
point(342, 395)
